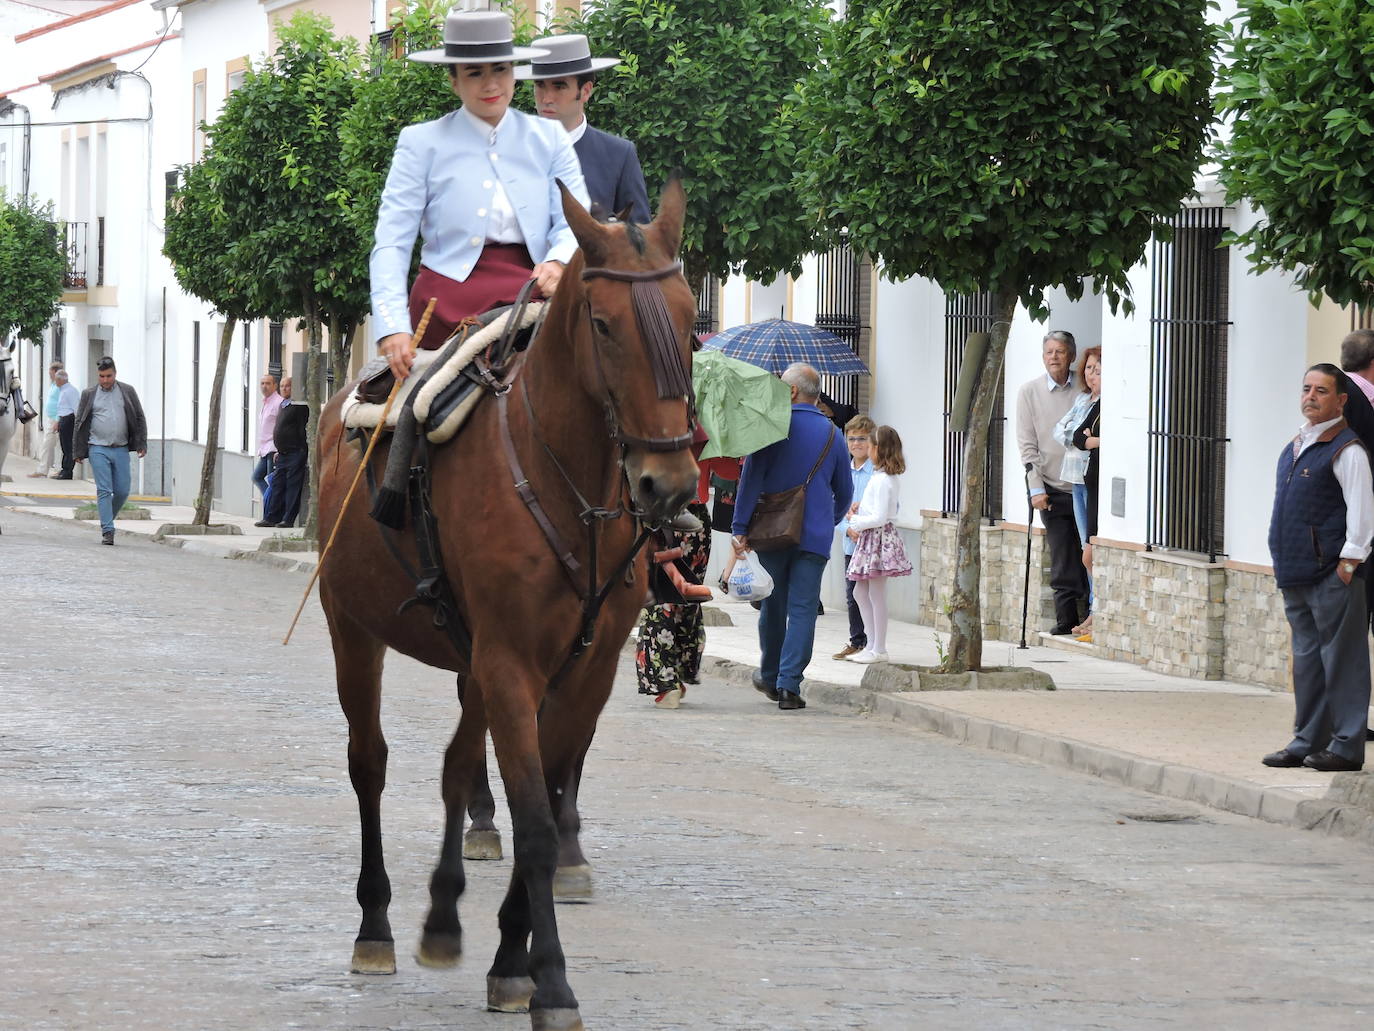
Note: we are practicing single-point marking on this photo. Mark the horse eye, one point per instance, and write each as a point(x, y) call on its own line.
point(600, 326)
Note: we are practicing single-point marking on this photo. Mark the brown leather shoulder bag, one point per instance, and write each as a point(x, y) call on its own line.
point(777, 520)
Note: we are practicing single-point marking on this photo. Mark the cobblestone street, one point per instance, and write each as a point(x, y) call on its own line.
point(179, 848)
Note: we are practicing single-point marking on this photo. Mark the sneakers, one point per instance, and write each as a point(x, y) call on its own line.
point(865, 657)
point(107, 537)
point(847, 651)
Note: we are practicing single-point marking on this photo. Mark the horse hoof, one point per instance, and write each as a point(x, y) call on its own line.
point(509, 994)
point(372, 957)
point(439, 949)
point(482, 845)
point(556, 1020)
point(572, 884)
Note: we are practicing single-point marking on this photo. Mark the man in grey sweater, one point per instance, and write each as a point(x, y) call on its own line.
point(1039, 405)
point(109, 424)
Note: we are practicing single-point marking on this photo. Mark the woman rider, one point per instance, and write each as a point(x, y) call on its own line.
point(478, 186)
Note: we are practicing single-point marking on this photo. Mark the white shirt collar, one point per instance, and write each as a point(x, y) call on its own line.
point(577, 133)
point(1049, 382)
point(1309, 432)
point(487, 130)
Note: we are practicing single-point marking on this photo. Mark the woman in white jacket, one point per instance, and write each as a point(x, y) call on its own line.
point(878, 549)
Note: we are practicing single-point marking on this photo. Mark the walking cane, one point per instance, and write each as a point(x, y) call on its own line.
point(1025, 589)
point(376, 435)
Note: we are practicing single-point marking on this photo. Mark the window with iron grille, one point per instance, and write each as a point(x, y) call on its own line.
point(838, 311)
point(965, 314)
point(247, 392)
point(1189, 329)
point(195, 381)
point(708, 317)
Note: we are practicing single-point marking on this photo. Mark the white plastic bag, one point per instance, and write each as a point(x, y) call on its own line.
point(749, 581)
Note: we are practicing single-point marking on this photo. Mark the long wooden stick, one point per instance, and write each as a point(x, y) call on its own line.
point(371, 444)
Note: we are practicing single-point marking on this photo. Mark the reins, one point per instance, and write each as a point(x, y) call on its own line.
point(672, 379)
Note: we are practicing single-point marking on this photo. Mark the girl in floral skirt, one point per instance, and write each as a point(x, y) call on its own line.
point(878, 549)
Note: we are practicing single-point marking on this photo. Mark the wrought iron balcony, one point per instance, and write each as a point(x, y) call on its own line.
point(74, 236)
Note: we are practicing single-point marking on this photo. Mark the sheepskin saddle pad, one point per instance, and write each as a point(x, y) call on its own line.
point(443, 398)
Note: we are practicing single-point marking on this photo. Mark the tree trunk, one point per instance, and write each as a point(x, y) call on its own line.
point(313, 388)
point(207, 465)
point(341, 334)
point(966, 612)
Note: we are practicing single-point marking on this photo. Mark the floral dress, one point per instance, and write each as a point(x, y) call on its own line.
point(673, 637)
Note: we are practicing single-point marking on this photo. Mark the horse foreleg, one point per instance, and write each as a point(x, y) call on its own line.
point(483, 840)
point(530, 949)
point(572, 881)
point(358, 672)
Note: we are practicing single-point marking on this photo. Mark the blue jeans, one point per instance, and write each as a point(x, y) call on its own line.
point(1080, 517)
point(787, 621)
point(262, 478)
point(110, 467)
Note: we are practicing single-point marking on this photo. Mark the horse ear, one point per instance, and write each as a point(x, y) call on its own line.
point(672, 207)
point(586, 228)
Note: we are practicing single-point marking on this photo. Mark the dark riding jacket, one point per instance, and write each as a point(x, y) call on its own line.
point(133, 415)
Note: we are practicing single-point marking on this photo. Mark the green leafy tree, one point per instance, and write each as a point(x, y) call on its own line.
point(702, 88)
point(285, 201)
point(205, 261)
point(1298, 88)
point(1007, 148)
point(32, 268)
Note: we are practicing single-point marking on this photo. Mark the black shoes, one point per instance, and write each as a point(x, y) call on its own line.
point(1330, 762)
point(1324, 761)
point(769, 691)
point(1061, 630)
point(1283, 758)
point(107, 537)
point(791, 700)
point(264, 522)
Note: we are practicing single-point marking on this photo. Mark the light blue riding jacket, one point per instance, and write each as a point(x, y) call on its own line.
point(442, 180)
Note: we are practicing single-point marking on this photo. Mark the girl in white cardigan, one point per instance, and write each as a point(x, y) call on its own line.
point(878, 549)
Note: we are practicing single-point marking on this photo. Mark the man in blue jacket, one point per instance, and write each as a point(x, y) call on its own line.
point(563, 83)
point(787, 620)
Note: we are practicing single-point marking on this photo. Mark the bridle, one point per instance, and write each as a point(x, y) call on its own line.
point(671, 375)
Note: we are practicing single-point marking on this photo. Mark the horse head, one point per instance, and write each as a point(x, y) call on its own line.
point(632, 329)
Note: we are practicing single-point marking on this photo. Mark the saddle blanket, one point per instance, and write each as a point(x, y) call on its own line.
point(429, 382)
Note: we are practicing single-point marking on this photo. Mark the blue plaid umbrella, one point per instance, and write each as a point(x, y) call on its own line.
point(774, 344)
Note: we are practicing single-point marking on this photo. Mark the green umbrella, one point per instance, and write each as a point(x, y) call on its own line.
point(742, 407)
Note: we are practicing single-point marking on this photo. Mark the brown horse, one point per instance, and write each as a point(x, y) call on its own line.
point(599, 410)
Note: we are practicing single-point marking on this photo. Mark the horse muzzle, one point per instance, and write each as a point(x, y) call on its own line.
point(661, 484)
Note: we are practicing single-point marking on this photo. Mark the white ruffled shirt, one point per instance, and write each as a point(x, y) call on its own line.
point(880, 502)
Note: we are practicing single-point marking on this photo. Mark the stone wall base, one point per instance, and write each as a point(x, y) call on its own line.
point(1170, 613)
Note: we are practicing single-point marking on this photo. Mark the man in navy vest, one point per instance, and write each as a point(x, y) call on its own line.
point(1319, 537)
point(563, 83)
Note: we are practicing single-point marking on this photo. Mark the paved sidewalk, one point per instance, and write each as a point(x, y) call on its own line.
point(1191, 740)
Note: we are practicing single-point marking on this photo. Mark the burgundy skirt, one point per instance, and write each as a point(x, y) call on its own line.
point(501, 271)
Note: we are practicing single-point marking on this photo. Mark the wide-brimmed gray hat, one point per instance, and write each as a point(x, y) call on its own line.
point(564, 56)
point(477, 37)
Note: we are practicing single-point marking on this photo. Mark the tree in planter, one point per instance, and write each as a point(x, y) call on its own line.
point(283, 194)
point(203, 257)
point(1007, 148)
point(1297, 84)
point(702, 88)
point(32, 268)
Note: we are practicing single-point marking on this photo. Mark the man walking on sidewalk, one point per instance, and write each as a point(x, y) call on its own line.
point(109, 424)
point(289, 439)
point(809, 454)
point(1319, 537)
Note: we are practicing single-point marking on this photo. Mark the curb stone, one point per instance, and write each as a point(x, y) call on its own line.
point(1332, 815)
